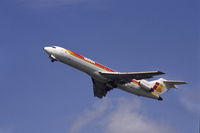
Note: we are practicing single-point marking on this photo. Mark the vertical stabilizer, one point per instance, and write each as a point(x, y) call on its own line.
point(162, 85)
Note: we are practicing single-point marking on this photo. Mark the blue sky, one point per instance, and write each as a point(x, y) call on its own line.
point(37, 96)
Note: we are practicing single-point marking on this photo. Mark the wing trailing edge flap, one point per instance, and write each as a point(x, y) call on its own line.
point(100, 89)
point(128, 76)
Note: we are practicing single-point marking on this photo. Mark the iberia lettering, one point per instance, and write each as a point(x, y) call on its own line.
point(89, 60)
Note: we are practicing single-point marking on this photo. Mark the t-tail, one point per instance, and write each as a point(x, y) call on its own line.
point(162, 85)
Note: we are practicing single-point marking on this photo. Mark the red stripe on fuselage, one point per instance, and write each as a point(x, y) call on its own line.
point(77, 55)
point(105, 68)
point(96, 64)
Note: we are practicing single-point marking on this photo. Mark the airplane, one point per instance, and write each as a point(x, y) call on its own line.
point(105, 79)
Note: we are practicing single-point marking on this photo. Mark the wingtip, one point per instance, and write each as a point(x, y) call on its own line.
point(159, 72)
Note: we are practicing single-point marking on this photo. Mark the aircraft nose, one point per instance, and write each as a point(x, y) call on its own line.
point(46, 49)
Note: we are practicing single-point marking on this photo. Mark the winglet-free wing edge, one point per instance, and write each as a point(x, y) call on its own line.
point(131, 75)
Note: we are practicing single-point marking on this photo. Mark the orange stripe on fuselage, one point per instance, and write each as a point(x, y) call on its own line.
point(105, 68)
point(135, 82)
point(96, 64)
point(90, 61)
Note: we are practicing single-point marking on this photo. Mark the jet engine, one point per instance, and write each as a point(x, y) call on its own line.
point(145, 85)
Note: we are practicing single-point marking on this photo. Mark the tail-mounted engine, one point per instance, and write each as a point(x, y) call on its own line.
point(145, 85)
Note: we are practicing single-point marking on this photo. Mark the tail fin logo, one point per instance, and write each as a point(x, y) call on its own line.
point(158, 87)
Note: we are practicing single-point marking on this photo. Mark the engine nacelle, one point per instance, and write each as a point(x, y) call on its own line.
point(145, 85)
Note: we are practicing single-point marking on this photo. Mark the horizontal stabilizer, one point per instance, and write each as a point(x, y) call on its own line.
point(171, 84)
point(175, 82)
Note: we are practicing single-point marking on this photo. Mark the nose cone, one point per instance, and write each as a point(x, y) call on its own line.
point(47, 50)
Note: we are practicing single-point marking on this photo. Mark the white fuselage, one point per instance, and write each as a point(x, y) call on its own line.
point(92, 69)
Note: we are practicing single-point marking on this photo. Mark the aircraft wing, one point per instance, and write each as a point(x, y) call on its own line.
point(128, 76)
point(100, 90)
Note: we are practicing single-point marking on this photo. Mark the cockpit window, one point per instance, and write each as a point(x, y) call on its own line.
point(53, 46)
